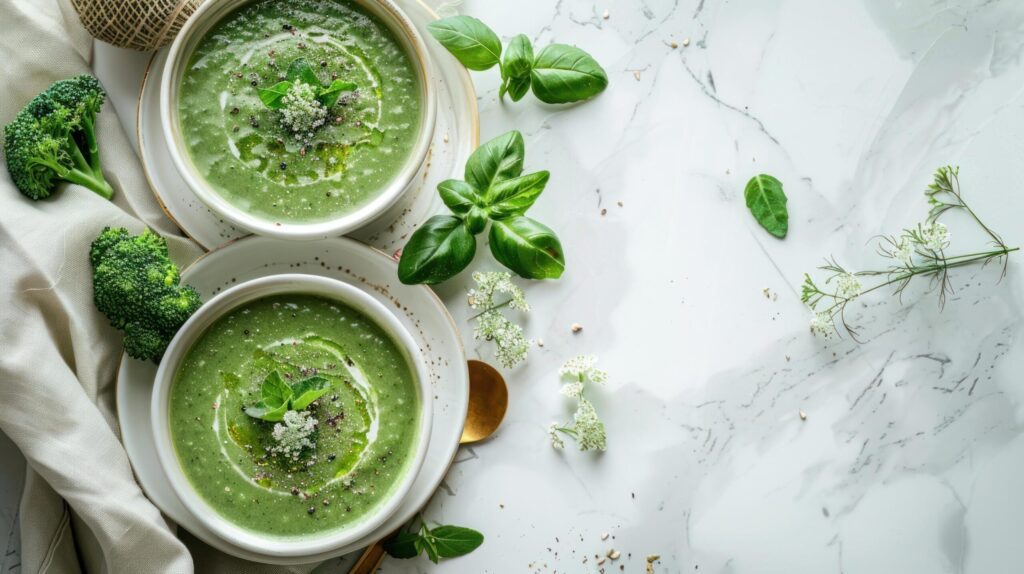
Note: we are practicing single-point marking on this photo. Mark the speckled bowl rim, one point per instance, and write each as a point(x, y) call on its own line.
point(211, 12)
point(194, 328)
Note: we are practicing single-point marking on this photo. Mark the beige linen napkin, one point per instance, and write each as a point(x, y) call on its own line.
point(81, 509)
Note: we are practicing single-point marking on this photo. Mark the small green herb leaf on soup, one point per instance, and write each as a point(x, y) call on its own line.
point(458, 195)
point(452, 541)
point(518, 59)
point(514, 196)
point(403, 545)
point(308, 390)
point(271, 414)
point(527, 247)
point(329, 96)
point(300, 70)
point(438, 250)
point(496, 160)
point(767, 202)
point(518, 87)
point(271, 97)
point(469, 40)
point(274, 391)
point(563, 74)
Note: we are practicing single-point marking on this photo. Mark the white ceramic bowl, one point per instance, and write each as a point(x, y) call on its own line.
point(190, 333)
point(209, 14)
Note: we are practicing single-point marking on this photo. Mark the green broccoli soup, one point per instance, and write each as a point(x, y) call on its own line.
point(299, 111)
point(294, 415)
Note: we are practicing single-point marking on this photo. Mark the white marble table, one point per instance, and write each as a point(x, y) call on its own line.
point(911, 457)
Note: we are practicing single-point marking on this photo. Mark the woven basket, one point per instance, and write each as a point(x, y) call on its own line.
point(136, 24)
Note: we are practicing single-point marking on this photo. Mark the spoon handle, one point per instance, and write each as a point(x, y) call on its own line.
point(372, 557)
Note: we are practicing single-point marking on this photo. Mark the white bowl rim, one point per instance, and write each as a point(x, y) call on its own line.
point(384, 200)
point(194, 328)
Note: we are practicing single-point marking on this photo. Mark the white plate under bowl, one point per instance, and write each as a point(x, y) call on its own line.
point(419, 310)
point(456, 135)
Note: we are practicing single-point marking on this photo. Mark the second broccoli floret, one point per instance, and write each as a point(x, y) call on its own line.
point(137, 286)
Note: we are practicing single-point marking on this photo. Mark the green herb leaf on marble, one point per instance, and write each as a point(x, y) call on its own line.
point(472, 43)
point(445, 541)
point(767, 202)
point(563, 74)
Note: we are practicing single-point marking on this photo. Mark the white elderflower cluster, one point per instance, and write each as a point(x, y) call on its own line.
point(491, 324)
point(301, 112)
point(294, 434)
point(821, 324)
point(847, 286)
point(904, 252)
point(586, 426)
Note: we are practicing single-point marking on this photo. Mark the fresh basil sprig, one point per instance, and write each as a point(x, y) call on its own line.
point(438, 542)
point(494, 190)
point(301, 71)
point(767, 202)
point(278, 397)
point(558, 74)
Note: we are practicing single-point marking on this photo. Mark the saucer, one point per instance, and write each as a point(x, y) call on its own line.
point(416, 306)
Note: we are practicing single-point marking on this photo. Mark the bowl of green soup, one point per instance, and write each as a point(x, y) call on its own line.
point(298, 119)
point(291, 414)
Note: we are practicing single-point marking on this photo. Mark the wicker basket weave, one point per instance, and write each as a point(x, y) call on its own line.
point(136, 24)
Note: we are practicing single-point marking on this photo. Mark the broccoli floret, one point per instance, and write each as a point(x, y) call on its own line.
point(137, 286)
point(53, 138)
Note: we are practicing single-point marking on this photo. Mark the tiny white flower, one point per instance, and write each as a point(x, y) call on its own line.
point(904, 252)
point(590, 433)
point(556, 439)
point(582, 366)
point(821, 324)
point(935, 236)
point(491, 324)
point(574, 390)
point(293, 434)
point(847, 286)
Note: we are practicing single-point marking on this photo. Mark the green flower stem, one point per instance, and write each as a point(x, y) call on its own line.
point(489, 309)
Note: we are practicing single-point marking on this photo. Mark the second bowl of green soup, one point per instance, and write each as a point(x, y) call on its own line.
point(292, 414)
point(298, 119)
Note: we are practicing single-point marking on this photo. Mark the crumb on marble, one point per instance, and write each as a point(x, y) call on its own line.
point(576, 327)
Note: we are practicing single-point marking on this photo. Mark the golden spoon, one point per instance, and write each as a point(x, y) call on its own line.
point(488, 400)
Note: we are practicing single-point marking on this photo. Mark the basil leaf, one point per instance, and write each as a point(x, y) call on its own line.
point(563, 74)
point(271, 97)
point(469, 40)
point(496, 160)
point(272, 414)
point(517, 87)
point(436, 251)
point(767, 202)
point(329, 96)
point(514, 196)
point(275, 391)
point(452, 541)
point(527, 247)
point(458, 195)
point(308, 390)
point(518, 57)
point(301, 70)
point(403, 545)
point(428, 545)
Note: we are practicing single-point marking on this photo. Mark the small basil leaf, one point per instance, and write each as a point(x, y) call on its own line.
point(301, 70)
point(431, 550)
point(514, 196)
point(271, 97)
point(403, 545)
point(527, 247)
point(518, 57)
point(767, 202)
point(517, 87)
point(496, 160)
point(469, 40)
point(563, 74)
point(271, 414)
point(308, 390)
point(274, 391)
point(458, 195)
point(437, 251)
point(452, 541)
point(476, 220)
point(329, 96)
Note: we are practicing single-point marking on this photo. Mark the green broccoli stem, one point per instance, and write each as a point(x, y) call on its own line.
point(91, 181)
point(76, 155)
point(94, 148)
